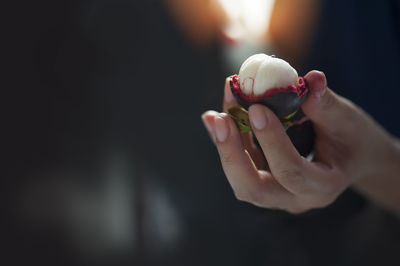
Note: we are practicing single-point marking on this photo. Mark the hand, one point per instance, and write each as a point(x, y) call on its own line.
point(350, 147)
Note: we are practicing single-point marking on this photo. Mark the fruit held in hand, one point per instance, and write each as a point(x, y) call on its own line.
point(270, 81)
point(274, 83)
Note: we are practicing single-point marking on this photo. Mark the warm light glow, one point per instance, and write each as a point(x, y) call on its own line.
point(247, 18)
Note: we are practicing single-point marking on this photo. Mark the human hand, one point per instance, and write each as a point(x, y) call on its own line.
point(349, 147)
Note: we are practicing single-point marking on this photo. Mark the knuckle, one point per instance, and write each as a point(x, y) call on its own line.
point(248, 196)
point(227, 158)
point(242, 196)
point(292, 175)
point(256, 199)
point(332, 187)
point(311, 201)
point(325, 200)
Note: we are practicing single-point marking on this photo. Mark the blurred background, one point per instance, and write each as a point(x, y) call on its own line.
point(107, 161)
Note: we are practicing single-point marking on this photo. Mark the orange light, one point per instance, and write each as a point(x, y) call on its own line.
point(247, 18)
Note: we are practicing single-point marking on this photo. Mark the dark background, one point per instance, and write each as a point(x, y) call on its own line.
point(108, 163)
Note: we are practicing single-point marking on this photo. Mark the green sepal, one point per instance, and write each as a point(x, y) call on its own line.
point(286, 120)
point(241, 118)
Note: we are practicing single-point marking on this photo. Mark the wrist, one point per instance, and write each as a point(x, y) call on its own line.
point(390, 159)
point(382, 182)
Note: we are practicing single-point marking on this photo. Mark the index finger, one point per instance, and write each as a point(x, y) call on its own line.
point(246, 137)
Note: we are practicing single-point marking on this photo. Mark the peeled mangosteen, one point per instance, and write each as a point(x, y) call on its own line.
point(273, 82)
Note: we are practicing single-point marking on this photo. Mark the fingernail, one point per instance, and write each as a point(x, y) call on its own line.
point(257, 117)
point(322, 92)
point(221, 128)
point(206, 122)
point(319, 94)
point(228, 93)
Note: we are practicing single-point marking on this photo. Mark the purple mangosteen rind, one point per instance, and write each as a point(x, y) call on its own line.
point(302, 136)
point(282, 101)
point(286, 104)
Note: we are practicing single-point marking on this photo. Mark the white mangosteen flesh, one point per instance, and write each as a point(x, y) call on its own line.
point(261, 72)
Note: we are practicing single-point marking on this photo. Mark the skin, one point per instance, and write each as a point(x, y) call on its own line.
point(351, 149)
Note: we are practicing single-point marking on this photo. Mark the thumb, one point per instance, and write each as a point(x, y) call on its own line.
point(322, 105)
